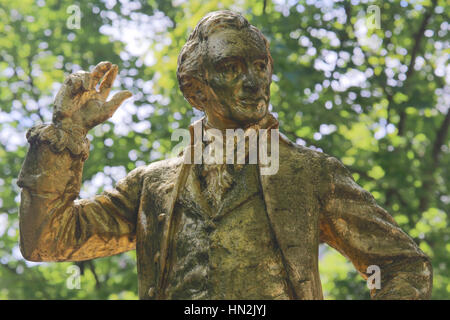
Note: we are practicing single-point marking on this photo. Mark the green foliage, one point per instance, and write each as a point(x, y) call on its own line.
point(377, 99)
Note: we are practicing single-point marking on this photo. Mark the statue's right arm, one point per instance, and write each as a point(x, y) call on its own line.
point(53, 225)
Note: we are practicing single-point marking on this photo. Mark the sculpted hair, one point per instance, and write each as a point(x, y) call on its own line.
point(190, 72)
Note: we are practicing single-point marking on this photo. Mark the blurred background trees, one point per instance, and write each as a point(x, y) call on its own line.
point(375, 95)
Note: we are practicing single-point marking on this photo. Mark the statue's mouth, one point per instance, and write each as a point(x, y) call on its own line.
point(252, 102)
point(251, 105)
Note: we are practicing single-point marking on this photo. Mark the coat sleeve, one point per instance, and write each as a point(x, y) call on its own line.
point(353, 224)
point(54, 226)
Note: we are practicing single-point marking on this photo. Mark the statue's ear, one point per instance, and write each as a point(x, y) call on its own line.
point(194, 91)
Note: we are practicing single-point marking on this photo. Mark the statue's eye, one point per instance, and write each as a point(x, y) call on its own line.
point(260, 65)
point(229, 68)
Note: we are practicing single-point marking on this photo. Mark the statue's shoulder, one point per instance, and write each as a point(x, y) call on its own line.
point(163, 168)
point(292, 149)
point(322, 162)
point(301, 151)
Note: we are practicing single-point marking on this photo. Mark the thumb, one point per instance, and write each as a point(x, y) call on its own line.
point(111, 106)
point(96, 112)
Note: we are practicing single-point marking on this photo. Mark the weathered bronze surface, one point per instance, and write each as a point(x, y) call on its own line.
point(209, 231)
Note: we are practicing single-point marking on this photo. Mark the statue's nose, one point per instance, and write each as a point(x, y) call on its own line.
point(250, 83)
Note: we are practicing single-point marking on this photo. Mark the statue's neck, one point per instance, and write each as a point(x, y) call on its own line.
point(268, 122)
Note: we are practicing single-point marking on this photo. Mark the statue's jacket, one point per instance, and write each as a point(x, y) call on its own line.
point(312, 199)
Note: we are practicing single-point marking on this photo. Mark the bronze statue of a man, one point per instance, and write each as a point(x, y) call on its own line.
point(206, 231)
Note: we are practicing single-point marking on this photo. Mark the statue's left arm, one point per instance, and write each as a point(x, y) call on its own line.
point(353, 223)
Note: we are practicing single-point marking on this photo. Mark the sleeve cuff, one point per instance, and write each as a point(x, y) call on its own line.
point(59, 139)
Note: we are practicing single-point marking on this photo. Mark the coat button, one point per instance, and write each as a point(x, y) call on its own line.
point(210, 226)
point(151, 292)
point(161, 217)
point(156, 258)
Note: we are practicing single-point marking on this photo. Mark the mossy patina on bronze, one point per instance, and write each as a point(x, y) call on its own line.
point(203, 232)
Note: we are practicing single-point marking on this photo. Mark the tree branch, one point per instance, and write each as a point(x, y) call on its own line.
point(414, 52)
point(92, 268)
point(428, 182)
point(7, 267)
point(440, 139)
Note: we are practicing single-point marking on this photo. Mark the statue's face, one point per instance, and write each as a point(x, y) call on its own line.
point(239, 76)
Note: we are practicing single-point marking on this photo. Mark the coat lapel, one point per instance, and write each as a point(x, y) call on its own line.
point(289, 198)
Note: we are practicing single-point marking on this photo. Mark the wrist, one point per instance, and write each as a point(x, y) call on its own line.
point(61, 137)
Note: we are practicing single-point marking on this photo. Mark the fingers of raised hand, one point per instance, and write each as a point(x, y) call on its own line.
point(97, 112)
point(98, 72)
point(105, 86)
point(111, 105)
point(80, 81)
point(73, 84)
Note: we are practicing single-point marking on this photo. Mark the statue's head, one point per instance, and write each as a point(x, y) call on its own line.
point(225, 69)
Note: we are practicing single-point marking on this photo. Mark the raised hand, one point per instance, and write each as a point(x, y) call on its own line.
point(79, 106)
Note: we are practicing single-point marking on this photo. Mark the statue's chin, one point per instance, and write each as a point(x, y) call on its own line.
point(249, 113)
